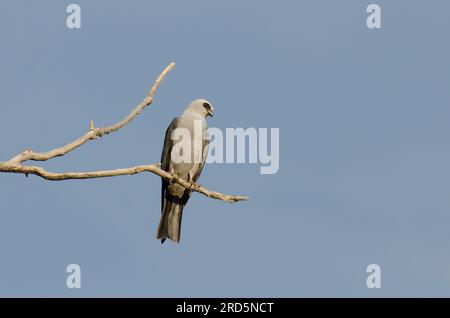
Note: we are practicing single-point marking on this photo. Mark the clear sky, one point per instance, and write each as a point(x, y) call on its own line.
point(364, 147)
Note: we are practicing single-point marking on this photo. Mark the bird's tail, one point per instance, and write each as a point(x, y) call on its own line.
point(170, 223)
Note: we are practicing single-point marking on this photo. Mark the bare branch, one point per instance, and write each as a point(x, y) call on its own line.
point(153, 168)
point(93, 133)
point(14, 165)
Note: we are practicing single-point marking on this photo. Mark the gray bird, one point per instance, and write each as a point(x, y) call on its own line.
point(174, 196)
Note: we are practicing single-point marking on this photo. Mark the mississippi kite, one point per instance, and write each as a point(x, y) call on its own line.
point(174, 196)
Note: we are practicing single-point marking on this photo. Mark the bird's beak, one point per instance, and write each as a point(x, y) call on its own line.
point(211, 112)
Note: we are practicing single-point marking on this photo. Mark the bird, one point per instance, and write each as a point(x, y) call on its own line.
point(173, 195)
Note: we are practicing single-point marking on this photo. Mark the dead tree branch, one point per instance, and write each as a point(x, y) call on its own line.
point(14, 165)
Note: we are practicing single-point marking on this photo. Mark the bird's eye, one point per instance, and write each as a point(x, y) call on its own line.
point(207, 106)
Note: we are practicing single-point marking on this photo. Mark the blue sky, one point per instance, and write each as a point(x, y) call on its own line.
point(364, 151)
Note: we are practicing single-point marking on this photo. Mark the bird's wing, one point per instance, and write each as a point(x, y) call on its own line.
point(165, 156)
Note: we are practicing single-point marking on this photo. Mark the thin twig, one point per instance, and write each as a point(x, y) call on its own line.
point(93, 133)
point(153, 168)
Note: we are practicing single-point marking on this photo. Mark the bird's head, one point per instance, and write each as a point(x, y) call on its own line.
point(202, 107)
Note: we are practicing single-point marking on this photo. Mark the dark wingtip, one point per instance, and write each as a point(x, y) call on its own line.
point(163, 240)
